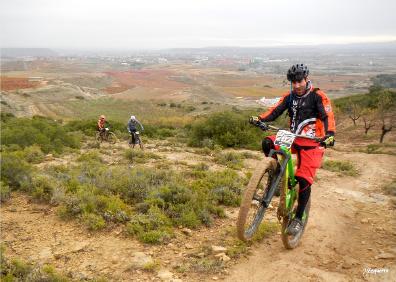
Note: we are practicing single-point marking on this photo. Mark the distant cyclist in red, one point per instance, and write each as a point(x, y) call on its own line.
point(102, 125)
point(310, 114)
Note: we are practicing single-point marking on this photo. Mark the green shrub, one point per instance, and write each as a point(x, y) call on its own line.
point(33, 154)
point(20, 269)
point(223, 187)
point(5, 192)
point(93, 222)
point(42, 188)
point(15, 171)
point(228, 129)
point(153, 227)
point(50, 135)
point(159, 131)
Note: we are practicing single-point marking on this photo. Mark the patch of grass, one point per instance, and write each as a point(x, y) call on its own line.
point(390, 188)
point(151, 266)
point(237, 248)
point(139, 156)
point(92, 155)
point(230, 159)
point(265, 229)
point(385, 148)
point(207, 265)
point(341, 167)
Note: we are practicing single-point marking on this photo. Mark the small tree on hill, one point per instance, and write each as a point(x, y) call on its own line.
point(354, 112)
point(386, 113)
point(369, 116)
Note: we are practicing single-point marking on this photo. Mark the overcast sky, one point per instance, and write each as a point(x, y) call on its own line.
point(193, 23)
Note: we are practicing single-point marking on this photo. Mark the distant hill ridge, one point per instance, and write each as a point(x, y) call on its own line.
point(27, 52)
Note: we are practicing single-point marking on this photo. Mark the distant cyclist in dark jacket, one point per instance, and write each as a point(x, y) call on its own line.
point(132, 127)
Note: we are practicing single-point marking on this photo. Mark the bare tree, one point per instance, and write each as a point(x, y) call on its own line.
point(387, 125)
point(369, 116)
point(354, 112)
point(386, 114)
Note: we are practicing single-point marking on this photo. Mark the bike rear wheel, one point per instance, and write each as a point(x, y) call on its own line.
point(111, 138)
point(252, 210)
point(290, 241)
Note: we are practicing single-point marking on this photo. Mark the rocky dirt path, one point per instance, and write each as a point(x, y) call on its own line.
point(352, 228)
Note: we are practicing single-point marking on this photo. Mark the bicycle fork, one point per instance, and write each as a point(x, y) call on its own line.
point(282, 170)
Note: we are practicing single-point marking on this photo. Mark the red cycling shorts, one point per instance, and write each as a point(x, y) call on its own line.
point(309, 157)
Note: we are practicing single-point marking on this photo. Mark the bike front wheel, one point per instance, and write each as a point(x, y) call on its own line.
point(252, 209)
point(98, 137)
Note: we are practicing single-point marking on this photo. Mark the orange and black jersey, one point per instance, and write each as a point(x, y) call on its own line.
point(310, 114)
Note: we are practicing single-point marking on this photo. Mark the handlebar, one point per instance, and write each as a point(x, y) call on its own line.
point(263, 126)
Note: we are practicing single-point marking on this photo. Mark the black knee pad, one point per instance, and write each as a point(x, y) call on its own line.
point(267, 145)
point(304, 184)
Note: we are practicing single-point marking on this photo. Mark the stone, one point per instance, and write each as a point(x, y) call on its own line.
point(140, 260)
point(385, 256)
point(188, 246)
point(218, 249)
point(223, 257)
point(45, 254)
point(187, 231)
point(165, 275)
point(364, 220)
point(49, 157)
point(79, 247)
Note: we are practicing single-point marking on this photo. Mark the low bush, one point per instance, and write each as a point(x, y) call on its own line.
point(15, 171)
point(227, 129)
point(46, 133)
point(5, 192)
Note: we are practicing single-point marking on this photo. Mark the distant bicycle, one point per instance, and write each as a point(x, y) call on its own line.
point(135, 140)
point(106, 136)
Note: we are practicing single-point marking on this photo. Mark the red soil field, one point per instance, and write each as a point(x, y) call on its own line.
point(15, 83)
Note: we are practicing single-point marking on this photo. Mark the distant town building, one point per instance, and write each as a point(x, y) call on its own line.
point(268, 102)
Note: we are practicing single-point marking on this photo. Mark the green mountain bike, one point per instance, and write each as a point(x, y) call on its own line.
point(265, 181)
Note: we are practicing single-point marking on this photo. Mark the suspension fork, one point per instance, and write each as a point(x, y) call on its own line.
point(285, 157)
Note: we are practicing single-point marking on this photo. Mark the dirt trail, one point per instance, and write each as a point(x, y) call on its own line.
point(351, 227)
